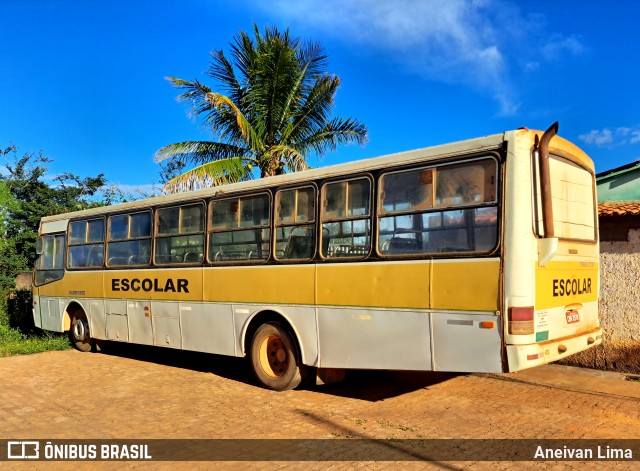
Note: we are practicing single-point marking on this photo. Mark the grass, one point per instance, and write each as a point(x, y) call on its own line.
point(13, 342)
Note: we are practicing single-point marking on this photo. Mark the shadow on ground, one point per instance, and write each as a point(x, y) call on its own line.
point(378, 385)
point(367, 385)
point(236, 369)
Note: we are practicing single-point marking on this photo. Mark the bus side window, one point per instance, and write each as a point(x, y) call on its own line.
point(295, 224)
point(180, 235)
point(239, 229)
point(129, 239)
point(345, 217)
point(431, 210)
point(86, 244)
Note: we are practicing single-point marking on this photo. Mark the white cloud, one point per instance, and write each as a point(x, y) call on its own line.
point(598, 138)
point(607, 137)
point(473, 42)
point(558, 45)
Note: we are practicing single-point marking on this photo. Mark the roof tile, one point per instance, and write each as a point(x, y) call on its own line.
point(619, 208)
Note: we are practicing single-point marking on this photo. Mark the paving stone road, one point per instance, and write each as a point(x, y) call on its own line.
point(133, 392)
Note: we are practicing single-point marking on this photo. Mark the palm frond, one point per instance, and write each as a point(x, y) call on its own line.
point(337, 131)
point(313, 56)
point(220, 122)
point(220, 172)
point(313, 112)
point(244, 54)
point(199, 152)
point(221, 70)
point(222, 104)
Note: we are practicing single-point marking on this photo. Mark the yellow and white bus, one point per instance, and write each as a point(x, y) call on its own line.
point(476, 256)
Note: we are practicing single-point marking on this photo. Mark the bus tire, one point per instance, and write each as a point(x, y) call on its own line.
point(274, 358)
point(79, 332)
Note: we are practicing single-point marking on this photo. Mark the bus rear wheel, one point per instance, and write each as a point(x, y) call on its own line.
point(274, 358)
point(79, 333)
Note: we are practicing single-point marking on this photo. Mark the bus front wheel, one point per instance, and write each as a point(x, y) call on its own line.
point(274, 358)
point(79, 333)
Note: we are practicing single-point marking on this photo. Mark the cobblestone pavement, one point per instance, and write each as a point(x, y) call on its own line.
point(145, 393)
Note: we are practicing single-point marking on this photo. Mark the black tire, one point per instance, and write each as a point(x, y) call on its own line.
point(79, 334)
point(274, 358)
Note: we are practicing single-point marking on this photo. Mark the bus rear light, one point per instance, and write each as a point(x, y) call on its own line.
point(521, 320)
point(535, 356)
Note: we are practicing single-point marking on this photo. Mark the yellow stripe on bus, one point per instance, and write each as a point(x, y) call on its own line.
point(466, 285)
point(454, 285)
point(75, 285)
point(564, 283)
point(385, 284)
point(291, 284)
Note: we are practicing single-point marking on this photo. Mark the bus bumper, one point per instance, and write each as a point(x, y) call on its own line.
point(520, 357)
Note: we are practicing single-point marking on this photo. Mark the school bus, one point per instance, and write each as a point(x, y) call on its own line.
point(475, 256)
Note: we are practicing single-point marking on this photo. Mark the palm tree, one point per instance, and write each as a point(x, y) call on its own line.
point(271, 112)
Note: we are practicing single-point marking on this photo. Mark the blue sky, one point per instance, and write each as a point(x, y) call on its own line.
point(84, 81)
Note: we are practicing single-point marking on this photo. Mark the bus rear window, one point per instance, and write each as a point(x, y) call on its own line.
point(573, 201)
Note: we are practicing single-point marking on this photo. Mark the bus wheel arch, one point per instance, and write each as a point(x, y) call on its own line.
point(274, 351)
point(79, 330)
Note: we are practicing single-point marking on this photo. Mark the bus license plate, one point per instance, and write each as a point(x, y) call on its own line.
point(573, 317)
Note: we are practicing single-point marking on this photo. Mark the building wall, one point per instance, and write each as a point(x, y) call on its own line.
point(620, 186)
point(619, 307)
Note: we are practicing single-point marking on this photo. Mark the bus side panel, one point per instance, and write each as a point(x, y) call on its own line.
point(471, 340)
point(246, 291)
point(373, 315)
point(374, 339)
point(37, 319)
point(55, 297)
point(51, 314)
point(207, 328)
point(468, 342)
point(97, 318)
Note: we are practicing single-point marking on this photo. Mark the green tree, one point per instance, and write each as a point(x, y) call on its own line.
point(271, 112)
point(31, 198)
point(25, 197)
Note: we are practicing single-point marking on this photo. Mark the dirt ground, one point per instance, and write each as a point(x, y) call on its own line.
point(143, 393)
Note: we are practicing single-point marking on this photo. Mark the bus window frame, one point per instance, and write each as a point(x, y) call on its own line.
point(497, 203)
point(151, 238)
point(370, 217)
point(316, 217)
point(69, 245)
point(155, 236)
point(269, 226)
